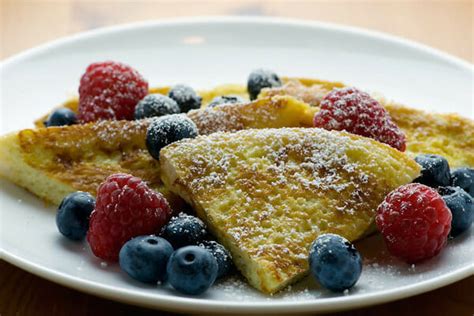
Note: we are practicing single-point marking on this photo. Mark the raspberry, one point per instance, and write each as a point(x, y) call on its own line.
point(414, 221)
point(357, 112)
point(110, 91)
point(125, 208)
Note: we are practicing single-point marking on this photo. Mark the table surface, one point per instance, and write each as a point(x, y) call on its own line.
point(446, 25)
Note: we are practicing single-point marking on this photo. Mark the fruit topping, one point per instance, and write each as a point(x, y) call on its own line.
point(156, 105)
point(184, 230)
point(191, 270)
point(461, 206)
point(357, 112)
point(73, 215)
point(110, 91)
point(259, 79)
point(225, 99)
point(222, 256)
point(414, 221)
point(125, 208)
point(464, 178)
point(168, 129)
point(61, 117)
point(144, 258)
point(434, 172)
point(186, 97)
point(334, 262)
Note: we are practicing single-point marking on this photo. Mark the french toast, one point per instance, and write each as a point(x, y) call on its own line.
point(52, 162)
point(289, 106)
point(292, 105)
point(55, 161)
point(267, 194)
point(448, 135)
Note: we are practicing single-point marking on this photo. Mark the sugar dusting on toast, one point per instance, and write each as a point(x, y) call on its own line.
point(266, 194)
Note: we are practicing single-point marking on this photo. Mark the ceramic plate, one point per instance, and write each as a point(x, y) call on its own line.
point(203, 53)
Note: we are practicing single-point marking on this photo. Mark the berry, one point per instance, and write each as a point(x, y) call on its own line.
point(168, 129)
point(155, 105)
point(434, 171)
point(259, 79)
point(125, 208)
point(191, 270)
point(225, 99)
point(464, 178)
point(414, 221)
point(144, 258)
point(184, 230)
point(222, 256)
point(461, 206)
point(61, 117)
point(110, 91)
point(357, 112)
point(186, 97)
point(73, 215)
point(335, 262)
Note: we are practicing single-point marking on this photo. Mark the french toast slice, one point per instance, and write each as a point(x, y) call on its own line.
point(55, 161)
point(292, 105)
point(52, 162)
point(270, 112)
point(267, 194)
point(448, 135)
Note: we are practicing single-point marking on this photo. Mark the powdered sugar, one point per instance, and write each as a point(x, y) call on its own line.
point(272, 191)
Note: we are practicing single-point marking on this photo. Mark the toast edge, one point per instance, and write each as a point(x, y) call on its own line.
point(14, 168)
point(252, 269)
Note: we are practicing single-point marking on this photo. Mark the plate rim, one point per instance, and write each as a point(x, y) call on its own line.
point(189, 304)
point(236, 19)
point(179, 303)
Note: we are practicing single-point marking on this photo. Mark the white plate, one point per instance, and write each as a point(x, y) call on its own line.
point(203, 53)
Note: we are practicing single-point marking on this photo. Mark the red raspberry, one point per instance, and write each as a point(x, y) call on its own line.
point(414, 221)
point(125, 208)
point(110, 91)
point(357, 112)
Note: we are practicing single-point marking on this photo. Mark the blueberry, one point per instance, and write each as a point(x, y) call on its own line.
point(464, 178)
point(184, 230)
point(462, 208)
point(144, 258)
point(60, 117)
point(168, 129)
point(155, 105)
point(434, 171)
point(191, 270)
point(222, 256)
point(334, 262)
point(186, 97)
point(259, 79)
point(73, 215)
point(225, 99)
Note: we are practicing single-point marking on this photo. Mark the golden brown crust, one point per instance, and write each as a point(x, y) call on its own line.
point(278, 111)
point(449, 135)
point(80, 157)
point(266, 194)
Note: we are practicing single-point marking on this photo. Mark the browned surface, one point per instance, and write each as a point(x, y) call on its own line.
point(297, 179)
point(446, 25)
point(84, 155)
point(449, 135)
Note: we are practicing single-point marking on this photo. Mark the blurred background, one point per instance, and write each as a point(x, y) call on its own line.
point(447, 25)
point(443, 24)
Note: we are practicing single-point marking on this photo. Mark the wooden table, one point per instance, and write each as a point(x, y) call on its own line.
point(447, 25)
